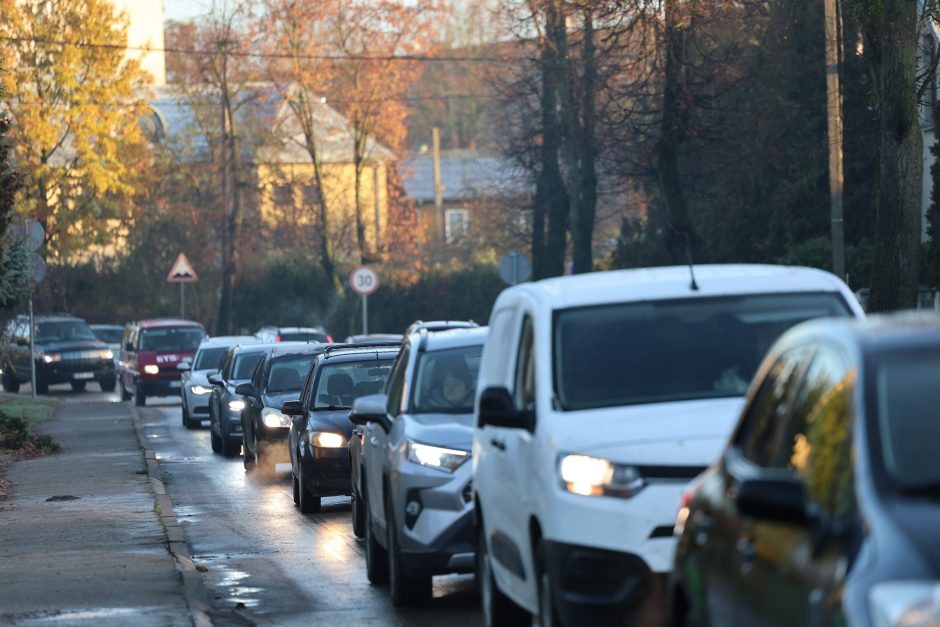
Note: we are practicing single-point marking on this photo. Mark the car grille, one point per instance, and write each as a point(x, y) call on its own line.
point(94, 355)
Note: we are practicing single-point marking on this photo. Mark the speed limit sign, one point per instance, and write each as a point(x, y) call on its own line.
point(364, 280)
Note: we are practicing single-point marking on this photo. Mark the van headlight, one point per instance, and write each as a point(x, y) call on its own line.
point(326, 439)
point(273, 418)
point(151, 369)
point(903, 603)
point(594, 476)
point(447, 459)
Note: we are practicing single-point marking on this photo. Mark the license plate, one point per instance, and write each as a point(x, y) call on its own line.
point(84, 375)
point(176, 384)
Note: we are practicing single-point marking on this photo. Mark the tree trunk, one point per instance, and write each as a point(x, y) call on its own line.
point(233, 216)
point(897, 224)
point(358, 164)
point(581, 141)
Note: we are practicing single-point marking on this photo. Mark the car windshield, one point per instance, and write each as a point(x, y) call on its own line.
point(171, 339)
point(111, 336)
point(445, 381)
point(244, 366)
point(209, 358)
point(908, 397)
point(654, 352)
point(338, 385)
point(287, 373)
point(63, 331)
point(303, 336)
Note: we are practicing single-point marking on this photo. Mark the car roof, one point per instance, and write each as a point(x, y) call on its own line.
point(294, 329)
point(377, 338)
point(453, 338)
point(228, 341)
point(242, 349)
point(280, 349)
point(673, 282)
point(56, 318)
point(167, 322)
point(106, 326)
point(877, 334)
point(351, 353)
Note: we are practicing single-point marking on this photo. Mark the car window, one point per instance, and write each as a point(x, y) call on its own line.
point(209, 358)
point(287, 374)
point(63, 331)
point(258, 375)
point(396, 382)
point(243, 365)
point(445, 380)
point(171, 339)
point(111, 336)
point(819, 441)
point(764, 419)
point(226, 368)
point(339, 384)
point(525, 367)
point(303, 336)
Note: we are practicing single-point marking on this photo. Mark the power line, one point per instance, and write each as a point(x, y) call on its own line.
point(419, 58)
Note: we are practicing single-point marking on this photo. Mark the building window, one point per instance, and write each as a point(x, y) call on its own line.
point(311, 196)
point(283, 196)
point(455, 224)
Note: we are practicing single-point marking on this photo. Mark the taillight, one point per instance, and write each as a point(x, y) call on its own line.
point(277, 338)
point(689, 493)
point(329, 339)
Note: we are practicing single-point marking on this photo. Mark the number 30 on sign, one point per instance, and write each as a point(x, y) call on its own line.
point(364, 280)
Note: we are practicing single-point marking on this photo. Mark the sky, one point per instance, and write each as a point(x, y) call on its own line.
point(185, 9)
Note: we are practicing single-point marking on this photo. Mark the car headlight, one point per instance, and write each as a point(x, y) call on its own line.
point(325, 439)
point(236, 405)
point(903, 603)
point(50, 358)
point(273, 418)
point(448, 459)
point(199, 390)
point(106, 354)
point(593, 476)
point(151, 369)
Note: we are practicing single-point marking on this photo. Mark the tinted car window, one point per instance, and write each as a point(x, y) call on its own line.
point(244, 365)
point(287, 373)
point(209, 358)
point(338, 385)
point(111, 336)
point(63, 331)
point(445, 380)
point(651, 352)
point(171, 339)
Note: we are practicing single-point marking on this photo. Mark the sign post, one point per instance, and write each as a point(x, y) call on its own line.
point(364, 280)
point(182, 272)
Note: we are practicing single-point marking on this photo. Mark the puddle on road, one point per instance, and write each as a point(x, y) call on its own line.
point(234, 593)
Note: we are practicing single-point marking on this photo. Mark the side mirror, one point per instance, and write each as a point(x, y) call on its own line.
point(215, 379)
point(244, 389)
point(184, 366)
point(780, 499)
point(498, 409)
point(290, 408)
point(371, 409)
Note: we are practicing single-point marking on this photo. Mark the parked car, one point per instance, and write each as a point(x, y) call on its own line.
point(822, 509)
point(413, 486)
point(293, 334)
point(278, 377)
point(151, 352)
point(110, 334)
point(196, 388)
point(66, 351)
point(600, 397)
point(225, 404)
point(320, 426)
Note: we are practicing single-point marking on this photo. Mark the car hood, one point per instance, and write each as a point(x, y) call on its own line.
point(278, 399)
point(200, 377)
point(448, 430)
point(335, 421)
point(685, 433)
point(61, 347)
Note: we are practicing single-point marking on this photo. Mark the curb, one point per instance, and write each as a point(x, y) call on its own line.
point(195, 593)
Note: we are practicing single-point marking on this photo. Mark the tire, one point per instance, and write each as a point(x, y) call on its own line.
point(498, 609)
point(547, 617)
point(376, 555)
point(296, 489)
point(188, 422)
point(108, 385)
point(404, 589)
point(78, 386)
point(10, 384)
point(230, 448)
point(215, 441)
point(140, 398)
point(309, 504)
point(356, 513)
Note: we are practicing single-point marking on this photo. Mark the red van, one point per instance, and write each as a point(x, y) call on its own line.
point(150, 353)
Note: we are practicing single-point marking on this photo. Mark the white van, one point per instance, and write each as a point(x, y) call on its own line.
point(600, 397)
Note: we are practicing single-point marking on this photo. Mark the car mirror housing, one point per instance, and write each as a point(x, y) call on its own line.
point(498, 409)
point(184, 366)
point(780, 499)
point(244, 389)
point(215, 379)
point(371, 409)
point(290, 408)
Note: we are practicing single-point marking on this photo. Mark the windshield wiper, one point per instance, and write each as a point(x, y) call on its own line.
point(331, 408)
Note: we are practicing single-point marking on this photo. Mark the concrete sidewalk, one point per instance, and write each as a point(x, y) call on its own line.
point(81, 541)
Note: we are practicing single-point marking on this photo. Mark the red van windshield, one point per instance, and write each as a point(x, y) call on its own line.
point(162, 339)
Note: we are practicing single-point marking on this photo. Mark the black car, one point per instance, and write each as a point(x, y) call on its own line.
point(225, 405)
point(278, 377)
point(320, 427)
point(66, 351)
point(824, 508)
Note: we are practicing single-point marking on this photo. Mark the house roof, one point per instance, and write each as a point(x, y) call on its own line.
point(465, 174)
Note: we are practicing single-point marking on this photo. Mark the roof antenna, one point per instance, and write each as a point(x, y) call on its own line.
point(688, 253)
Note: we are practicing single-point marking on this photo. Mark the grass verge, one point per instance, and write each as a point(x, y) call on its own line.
point(18, 441)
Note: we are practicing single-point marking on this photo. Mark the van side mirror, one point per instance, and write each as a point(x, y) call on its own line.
point(289, 408)
point(498, 409)
point(371, 408)
point(780, 499)
point(244, 389)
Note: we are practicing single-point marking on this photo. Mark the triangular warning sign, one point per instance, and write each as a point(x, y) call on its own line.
point(182, 271)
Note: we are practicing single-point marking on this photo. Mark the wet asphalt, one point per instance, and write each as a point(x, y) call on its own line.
point(262, 560)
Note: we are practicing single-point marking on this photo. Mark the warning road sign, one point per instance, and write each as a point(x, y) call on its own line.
point(182, 271)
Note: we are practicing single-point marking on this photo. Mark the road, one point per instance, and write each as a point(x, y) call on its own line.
point(263, 558)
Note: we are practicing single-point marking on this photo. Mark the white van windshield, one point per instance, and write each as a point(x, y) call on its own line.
point(655, 352)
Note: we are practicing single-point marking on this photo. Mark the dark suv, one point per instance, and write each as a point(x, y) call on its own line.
point(66, 351)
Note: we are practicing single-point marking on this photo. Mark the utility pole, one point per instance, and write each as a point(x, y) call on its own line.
point(834, 116)
point(440, 229)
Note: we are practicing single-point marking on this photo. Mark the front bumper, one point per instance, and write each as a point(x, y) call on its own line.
point(196, 404)
point(593, 586)
point(77, 370)
point(326, 470)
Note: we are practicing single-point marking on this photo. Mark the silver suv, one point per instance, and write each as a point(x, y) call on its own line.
point(414, 479)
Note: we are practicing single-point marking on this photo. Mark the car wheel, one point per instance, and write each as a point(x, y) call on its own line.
point(108, 384)
point(358, 521)
point(140, 398)
point(216, 441)
point(78, 386)
point(376, 555)
point(404, 589)
point(188, 422)
point(547, 616)
point(498, 609)
point(10, 384)
point(309, 504)
point(230, 448)
point(42, 386)
point(296, 489)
